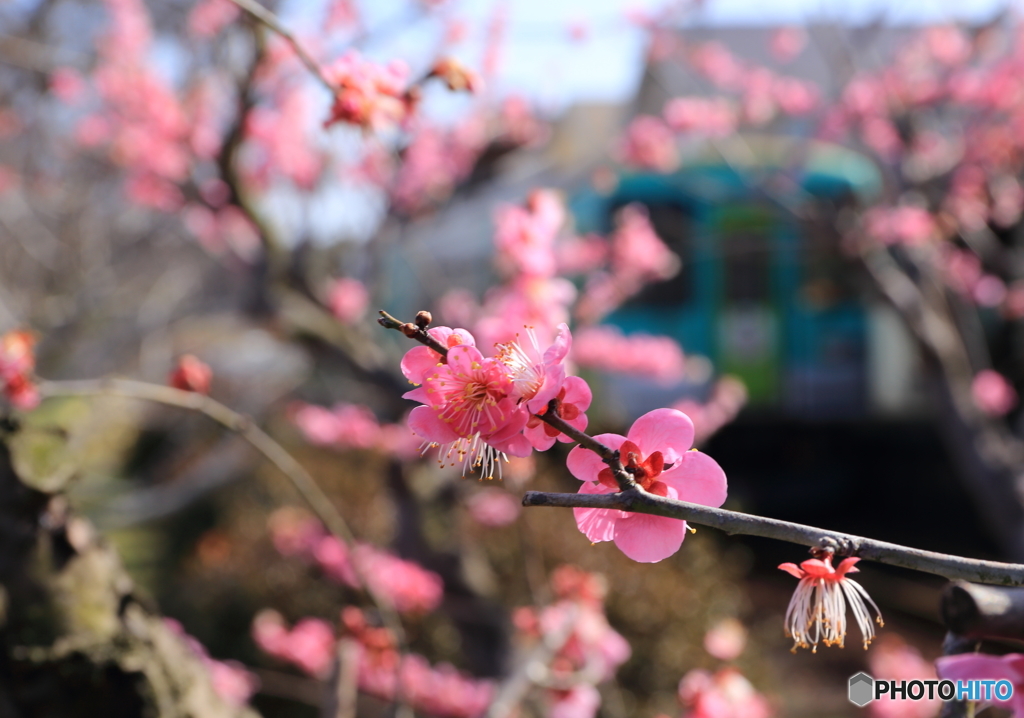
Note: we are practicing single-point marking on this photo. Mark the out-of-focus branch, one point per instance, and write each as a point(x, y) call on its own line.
point(301, 479)
point(735, 523)
point(269, 19)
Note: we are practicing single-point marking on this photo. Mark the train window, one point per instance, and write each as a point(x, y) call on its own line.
point(747, 266)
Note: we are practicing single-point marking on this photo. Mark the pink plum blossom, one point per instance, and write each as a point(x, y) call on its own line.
point(369, 95)
point(493, 507)
point(470, 411)
point(726, 639)
point(649, 144)
point(572, 400)
point(725, 694)
point(421, 361)
point(348, 299)
point(309, 644)
point(606, 348)
point(893, 659)
point(707, 116)
point(581, 701)
point(17, 363)
point(992, 393)
point(656, 451)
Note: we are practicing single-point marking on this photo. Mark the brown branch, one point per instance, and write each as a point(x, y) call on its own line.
point(296, 473)
point(734, 523)
point(269, 19)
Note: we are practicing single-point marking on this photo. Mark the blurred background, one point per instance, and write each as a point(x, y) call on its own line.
point(799, 224)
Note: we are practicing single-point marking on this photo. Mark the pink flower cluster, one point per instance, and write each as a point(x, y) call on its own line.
point(352, 426)
point(897, 661)
point(410, 588)
point(17, 363)
point(906, 225)
point(706, 116)
point(725, 694)
point(650, 144)
point(231, 681)
point(591, 648)
point(476, 409)
point(606, 348)
point(369, 95)
point(728, 396)
point(311, 646)
point(636, 256)
point(656, 453)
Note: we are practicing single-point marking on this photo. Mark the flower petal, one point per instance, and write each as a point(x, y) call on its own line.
point(584, 464)
point(560, 348)
point(649, 539)
point(539, 438)
point(698, 479)
point(665, 430)
point(596, 524)
point(577, 392)
point(792, 569)
point(424, 422)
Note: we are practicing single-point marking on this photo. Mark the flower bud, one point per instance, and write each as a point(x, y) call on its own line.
point(423, 319)
point(410, 330)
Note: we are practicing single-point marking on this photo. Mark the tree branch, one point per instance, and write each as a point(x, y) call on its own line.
point(735, 523)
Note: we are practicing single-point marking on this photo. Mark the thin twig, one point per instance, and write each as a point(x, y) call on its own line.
point(735, 523)
point(301, 479)
point(269, 19)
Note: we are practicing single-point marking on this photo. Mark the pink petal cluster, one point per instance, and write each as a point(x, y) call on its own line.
point(352, 426)
point(438, 690)
point(475, 408)
point(725, 694)
point(369, 95)
point(728, 396)
point(992, 393)
point(410, 588)
point(636, 257)
point(726, 639)
point(493, 507)
point(606, 348)
point(308, 645)
point(656, 452)
point(524, 237)
point(231, 681)
point(208, 17)
point(978, 666)
point(706, 116)
point(191, 374)
point(592, 647)
point(893, 659)
point(911, 226)
point(650, 144)
point(278, 140)
point(17, 363)
point(348, 299)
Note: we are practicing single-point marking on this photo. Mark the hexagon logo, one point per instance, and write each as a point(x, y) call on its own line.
point(861, 689)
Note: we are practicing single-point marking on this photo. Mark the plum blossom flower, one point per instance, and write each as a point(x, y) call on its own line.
point(571, 401)
point(369, 95)
point(419, 362)
point(819, 603)
point(656, 451)
point(471, 414)
point(309, 644)
point(726, 639)
point(348, 299)
point(536, 378)
point(649, 144)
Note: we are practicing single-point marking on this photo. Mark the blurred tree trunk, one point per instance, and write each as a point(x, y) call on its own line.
point(74, 639)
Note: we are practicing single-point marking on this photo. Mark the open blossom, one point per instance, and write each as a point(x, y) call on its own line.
point(572, 400)
point(421, 361)
point(656, 451)
point(471, 412)
point(817, 612)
